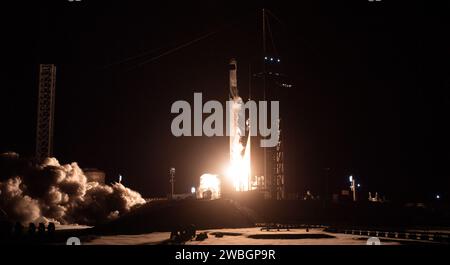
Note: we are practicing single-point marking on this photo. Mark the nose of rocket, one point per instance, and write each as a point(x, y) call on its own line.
point(233, 78)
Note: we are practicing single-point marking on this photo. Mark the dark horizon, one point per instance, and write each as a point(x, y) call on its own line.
point(367, 99)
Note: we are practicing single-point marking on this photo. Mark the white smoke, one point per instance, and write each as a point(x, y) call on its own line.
point(62, 193)
point(17, 205)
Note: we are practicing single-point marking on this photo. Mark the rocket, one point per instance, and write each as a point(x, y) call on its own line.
point(239, 142)
point(234, 94)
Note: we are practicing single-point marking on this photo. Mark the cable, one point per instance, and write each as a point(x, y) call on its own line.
point(177, 48)
point(144, 54)
point(273, 15)
point(271, 38)
point(132, 58)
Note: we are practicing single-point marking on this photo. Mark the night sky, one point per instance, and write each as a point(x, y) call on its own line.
point(370, 97)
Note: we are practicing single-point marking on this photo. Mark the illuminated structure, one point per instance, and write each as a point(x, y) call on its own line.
point(45, 112)
point(271, 82)
point(277, 166)
point(95, 175)
point(172, 181)
point(210, 187)
point(352, 186)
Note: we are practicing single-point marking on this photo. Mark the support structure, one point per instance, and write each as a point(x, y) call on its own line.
point(272, 81)
point(353, 187)
point(277, 175)
point(45, 111)
point(172, 181)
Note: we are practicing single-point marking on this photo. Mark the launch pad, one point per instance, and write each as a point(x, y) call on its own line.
point(242, 131)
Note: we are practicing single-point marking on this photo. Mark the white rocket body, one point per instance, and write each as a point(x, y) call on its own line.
point(239, 144)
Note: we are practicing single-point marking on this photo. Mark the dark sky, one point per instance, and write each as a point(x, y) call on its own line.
point(370, 97)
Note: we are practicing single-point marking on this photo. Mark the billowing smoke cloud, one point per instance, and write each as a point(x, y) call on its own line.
point(61, 193)
point(15, 204)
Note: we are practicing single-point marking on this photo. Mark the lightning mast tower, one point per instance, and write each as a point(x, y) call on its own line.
point(273, 82)
point(45, 111)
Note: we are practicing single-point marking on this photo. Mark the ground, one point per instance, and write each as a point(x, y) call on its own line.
point(243, 236)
